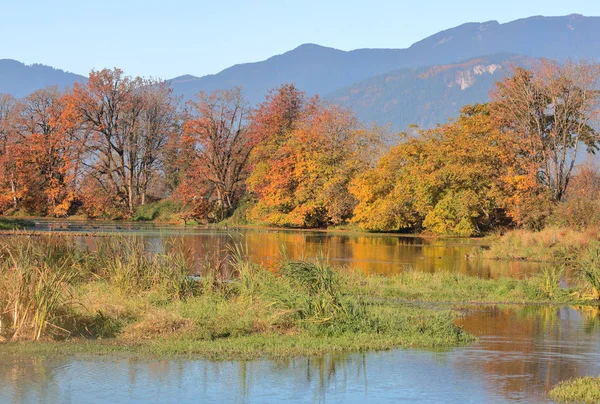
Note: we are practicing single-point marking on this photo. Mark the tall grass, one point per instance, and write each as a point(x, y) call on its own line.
point(549, 244)
point(581, 390)
point(35, 286)
point(126, 263)
point(589, 267)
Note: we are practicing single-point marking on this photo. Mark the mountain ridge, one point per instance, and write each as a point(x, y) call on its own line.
point(329, 71)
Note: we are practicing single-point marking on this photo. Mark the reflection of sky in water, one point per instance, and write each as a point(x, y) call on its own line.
point(522, 353)
point(385, 254)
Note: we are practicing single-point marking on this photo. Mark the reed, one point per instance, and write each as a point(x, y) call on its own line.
point(35, 287)
point(589, 268)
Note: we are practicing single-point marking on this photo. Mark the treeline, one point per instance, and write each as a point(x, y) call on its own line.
point(114, 144)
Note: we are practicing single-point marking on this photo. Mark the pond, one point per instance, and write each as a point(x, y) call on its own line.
point(521, 353)
point(373, 253)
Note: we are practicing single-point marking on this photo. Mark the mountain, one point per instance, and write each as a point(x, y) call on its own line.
point(402, 86)
point(318, 69)
point(426, 96)
point(20, 80)
point(312, 68)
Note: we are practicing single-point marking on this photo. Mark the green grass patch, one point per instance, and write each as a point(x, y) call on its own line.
point(550, 244)
point(455, 287)
point(580, 390)
point(53, 290)
point(15, 223)
point(162, 211)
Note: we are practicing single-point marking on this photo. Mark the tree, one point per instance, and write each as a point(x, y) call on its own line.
point(216, 134)
point(9, 193)
point(308, 154)
point(449, 180)
point(49, 152)
point(552, 110)
point(129, 120)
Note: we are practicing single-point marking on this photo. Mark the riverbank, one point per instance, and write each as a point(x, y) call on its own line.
point(56, 296)
point(583, 390)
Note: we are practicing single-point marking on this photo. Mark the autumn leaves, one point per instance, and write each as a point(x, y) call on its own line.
point(108, 146)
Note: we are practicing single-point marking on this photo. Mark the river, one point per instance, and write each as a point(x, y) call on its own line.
point(521, 353)
point(386, 254)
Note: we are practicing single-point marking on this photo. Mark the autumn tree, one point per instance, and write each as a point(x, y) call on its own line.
point(217, 136)
point(9, 195)
point(49, 153)
point(308, 153)
point(449, 180)
point(129, 120)
point(552, 111)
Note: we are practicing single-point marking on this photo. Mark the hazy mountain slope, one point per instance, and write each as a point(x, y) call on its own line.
point(313, 68)
point(318, 69)
point(426, 96)
point(20, 80)
point(379, 84)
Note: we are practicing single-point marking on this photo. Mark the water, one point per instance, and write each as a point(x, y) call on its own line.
point(521, 354)
point(373, 253)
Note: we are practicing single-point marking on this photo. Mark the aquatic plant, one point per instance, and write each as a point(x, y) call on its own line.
point(581, 390)
point(589, 267)
point(35, 284)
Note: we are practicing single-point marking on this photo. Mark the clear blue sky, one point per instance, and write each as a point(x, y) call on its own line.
point(169, 38)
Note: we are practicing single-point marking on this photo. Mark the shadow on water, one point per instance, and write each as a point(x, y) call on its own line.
point(372, 253)
point(522, 352)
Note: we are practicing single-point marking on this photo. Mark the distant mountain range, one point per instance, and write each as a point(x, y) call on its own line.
point(426, 96)
point(20, 80)
point(424, 84)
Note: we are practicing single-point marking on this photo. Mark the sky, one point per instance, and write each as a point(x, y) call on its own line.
point(165, 39)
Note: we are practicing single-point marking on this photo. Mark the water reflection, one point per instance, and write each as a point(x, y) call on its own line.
point(384, 254)
point(522, 352)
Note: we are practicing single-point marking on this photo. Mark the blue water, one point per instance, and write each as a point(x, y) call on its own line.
point(522, 352)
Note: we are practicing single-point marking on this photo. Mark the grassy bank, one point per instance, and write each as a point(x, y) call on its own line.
point(14, 223)
point(55, 295)
point(551, 244)
point(581, 390)
point(544, 288)
point(61, 296)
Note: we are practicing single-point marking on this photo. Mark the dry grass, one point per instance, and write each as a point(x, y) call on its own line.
point(550, 244)
point(582, 390)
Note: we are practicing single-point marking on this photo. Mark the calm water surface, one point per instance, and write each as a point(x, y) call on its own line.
point(373, 253)
point(521, 354)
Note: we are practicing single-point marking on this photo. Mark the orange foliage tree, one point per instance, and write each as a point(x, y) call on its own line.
point(449, 180)
point(129, 121)
point(9, 193)
point(215, 145)
point(553, 111)
point(308, 154)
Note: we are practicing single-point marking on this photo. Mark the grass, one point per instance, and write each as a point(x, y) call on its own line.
point(459, 288)
point(580, 390)
point(130, 299)
point(61, 296)
point(14, 224)
point(550, 244)
point(163, 211)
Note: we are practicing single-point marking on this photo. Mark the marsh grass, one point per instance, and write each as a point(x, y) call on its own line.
point(35, 286)
point(549, 244)
point(128, 297)
point(126, 263)
point(588, 264)
point(580, 390)
point(455, 287)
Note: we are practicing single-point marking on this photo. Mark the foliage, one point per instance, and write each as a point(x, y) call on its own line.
point(450, 180)
point(552, 110)
point(580, 390)
point(164, 211)
point(308, 154)
point(218, 143)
